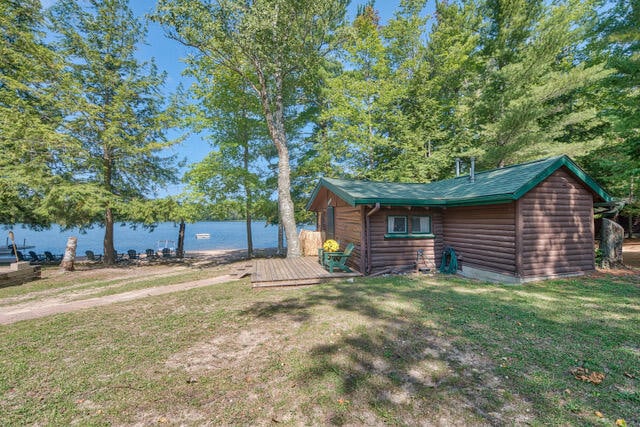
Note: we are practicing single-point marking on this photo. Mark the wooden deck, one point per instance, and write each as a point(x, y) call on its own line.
point(293, 272)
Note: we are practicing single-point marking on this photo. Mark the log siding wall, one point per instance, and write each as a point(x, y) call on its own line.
point(402, 252)
point(556, 232)
point(548, 232)
point(348, 227)
point(483, 237)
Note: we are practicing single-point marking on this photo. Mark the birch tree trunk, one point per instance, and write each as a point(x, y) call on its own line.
point(274, 113)
point(69, 258)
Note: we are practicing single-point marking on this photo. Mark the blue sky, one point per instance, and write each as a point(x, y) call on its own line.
point(168, 55)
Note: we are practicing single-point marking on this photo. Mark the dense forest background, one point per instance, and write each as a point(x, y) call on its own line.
point(296, 87)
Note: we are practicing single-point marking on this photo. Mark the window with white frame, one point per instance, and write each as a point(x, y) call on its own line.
point(408, 226)
point(421, 224)
point(397, 224)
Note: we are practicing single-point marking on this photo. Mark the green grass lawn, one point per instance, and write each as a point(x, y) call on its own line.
point(398, 350)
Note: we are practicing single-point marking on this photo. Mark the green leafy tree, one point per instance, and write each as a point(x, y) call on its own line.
point(29, 114)
point(276, 47)
point(434, 107)
point(364, 123)
point(230, 175)
point(617, 163)
point(528, 100)
point(354, 98)
point(115, 112)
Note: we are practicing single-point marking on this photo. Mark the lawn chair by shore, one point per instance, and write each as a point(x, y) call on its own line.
point(91, 256)
point(51, 258)
point(118, 257)
point(151, 254)
point(35, 258)
point(133, 254)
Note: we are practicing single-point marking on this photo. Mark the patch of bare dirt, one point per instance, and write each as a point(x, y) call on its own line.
point(44, 308)
point(63, 299)
point(631, 252)
point(631, 258)
point(236, 349)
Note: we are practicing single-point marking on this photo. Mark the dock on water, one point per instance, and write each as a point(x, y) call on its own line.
point(293, 272)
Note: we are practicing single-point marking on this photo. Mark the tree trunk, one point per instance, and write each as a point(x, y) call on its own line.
point(180, 250)
point(285, 203)
point(280, 240)
point(69, 258)
point(109, 256)
point(274, 115)
point(249, 234)
point(248, 194)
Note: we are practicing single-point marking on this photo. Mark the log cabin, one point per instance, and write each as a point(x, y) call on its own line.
point(527, 222)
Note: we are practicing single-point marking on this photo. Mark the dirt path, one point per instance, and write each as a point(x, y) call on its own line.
point(229, 265)
point(631, 252)
point(49, 307)
point(67, 293)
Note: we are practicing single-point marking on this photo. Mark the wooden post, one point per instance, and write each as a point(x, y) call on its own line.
point(13, 242)
point(69, 258)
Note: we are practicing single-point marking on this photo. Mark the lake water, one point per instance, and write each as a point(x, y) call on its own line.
point(224, 235)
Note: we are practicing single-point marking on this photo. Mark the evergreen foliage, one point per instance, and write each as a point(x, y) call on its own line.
point(82, 122)
point(29, 114)
point(114, 113)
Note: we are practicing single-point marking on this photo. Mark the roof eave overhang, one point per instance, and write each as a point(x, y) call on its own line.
point(484, 200)
point(334, 189)
point(442, 203)
point(574, 168)
point(400, 202)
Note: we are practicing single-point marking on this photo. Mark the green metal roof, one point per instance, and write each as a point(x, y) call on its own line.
point(490, 187)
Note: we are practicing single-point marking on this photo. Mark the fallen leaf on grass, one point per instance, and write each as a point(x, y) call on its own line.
point(628, 375)
point(599, 414)
point(621, 423)
point(584, 374)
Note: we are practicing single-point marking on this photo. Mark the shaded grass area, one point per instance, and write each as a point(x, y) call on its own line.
point(397, 350)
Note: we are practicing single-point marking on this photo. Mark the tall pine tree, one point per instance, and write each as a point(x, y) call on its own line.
point(435, 106)
point(115, 111)
point(29, 114)
point(527, 102)
point(617, 164)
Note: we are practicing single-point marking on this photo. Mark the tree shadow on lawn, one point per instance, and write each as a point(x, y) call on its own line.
point(463, 352)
